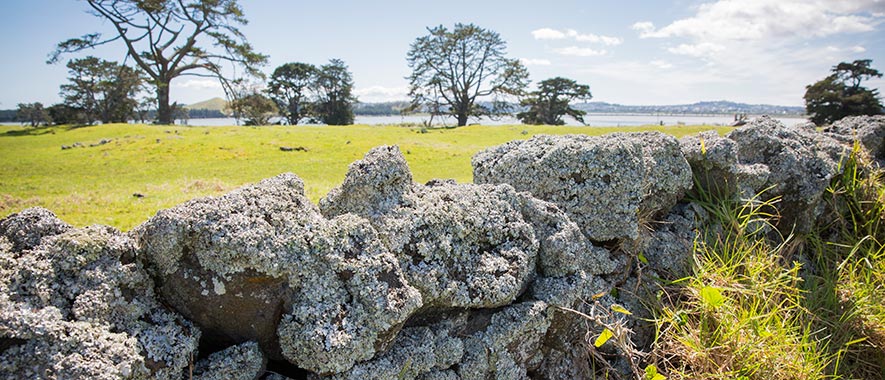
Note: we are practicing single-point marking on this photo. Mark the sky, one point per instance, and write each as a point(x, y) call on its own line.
point(627, 51)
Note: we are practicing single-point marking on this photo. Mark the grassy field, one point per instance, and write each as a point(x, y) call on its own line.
point(171, 164)
point(798, 307)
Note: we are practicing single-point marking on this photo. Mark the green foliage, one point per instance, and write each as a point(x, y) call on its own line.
point(740, 313)
point(452, 70)
point(65, 114)
point(841, 94)
point(290, 86)
point(711, 297)
point(550, 102)
point(101, 90)
point(33, 114)
point(91, 185)
point(763, 306)
point(651, 373)
point(334, 89)
point(603, 337)
point(845, 290)
point(255, 108)
point(168, 39)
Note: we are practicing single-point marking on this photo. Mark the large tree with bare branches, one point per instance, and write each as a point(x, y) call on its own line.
point(172, 38)
point(452, 70)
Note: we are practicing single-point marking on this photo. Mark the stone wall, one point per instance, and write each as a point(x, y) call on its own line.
point(389, 279)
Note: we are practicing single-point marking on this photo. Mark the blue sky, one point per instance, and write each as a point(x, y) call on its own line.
point(629, 52)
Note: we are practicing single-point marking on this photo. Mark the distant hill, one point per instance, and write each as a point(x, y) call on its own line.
point(715, 107)
point(215, 104)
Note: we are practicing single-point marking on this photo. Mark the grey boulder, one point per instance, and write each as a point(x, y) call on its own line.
point(603, 183)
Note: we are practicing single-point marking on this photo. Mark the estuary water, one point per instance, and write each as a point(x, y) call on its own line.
point(593, 119)
point(601, 120)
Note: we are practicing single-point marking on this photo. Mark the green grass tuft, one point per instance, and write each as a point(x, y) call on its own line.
point(762, 306)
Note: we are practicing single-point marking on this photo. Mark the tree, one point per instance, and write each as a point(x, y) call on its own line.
point(64, 114)
point(289, 88)
point(250, 104)
point(840, 94)
point(33, 114)
point(167, 39)
point(452, 70)
point(551, 102)
point(103, 90)
point(334, 94)
point(257, 108)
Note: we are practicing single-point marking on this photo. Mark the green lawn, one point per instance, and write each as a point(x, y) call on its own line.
point(171, 164)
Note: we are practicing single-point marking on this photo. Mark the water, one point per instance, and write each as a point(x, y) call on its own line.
point(600, 120)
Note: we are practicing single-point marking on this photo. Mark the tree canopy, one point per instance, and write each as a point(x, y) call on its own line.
point(552, 100)
point(840, 94)
point(452, 70)
point(290, 86)
point(172, 38)
point(33, 114)
point(255, 107)
point(334, 94)
point(101, 90)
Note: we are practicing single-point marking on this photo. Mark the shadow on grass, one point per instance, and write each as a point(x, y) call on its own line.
point(42, 130)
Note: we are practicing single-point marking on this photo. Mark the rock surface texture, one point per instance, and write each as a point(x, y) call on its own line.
point(604, 184)
point(389, 279)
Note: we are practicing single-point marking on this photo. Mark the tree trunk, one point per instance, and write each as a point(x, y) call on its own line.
point(164, 111)
point(462, 119)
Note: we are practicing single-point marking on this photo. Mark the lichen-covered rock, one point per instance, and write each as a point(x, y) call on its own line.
point(373, 185)
point(416, 353)
point(668, 248)
point(716, 168)
point(352, 302)
point(869, 131)
point(603, 183)
point(460, 245)
point(463, 245)
point(241, 362)
point(501, 343)
point(76, 306)
point(221, 261)
point(563, 249)
point(507, 346)
point(801, 162)
point(26, 229)
point(667, 173)
point(322, 294)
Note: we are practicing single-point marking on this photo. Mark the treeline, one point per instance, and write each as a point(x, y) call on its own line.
point(380, 109)
point(8, 116)
point(203, 113)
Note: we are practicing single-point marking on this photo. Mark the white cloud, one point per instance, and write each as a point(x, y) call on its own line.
point(199, 84)
point(553, 34)
point(595, 38)
point(763, 19)
point(661, 64)
point(580, 52)
point(762, 48)
point(375, 94)
point(856, 49)
point(547, 34)
point(644, 28)
point(535, 62)
point(701, 50)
